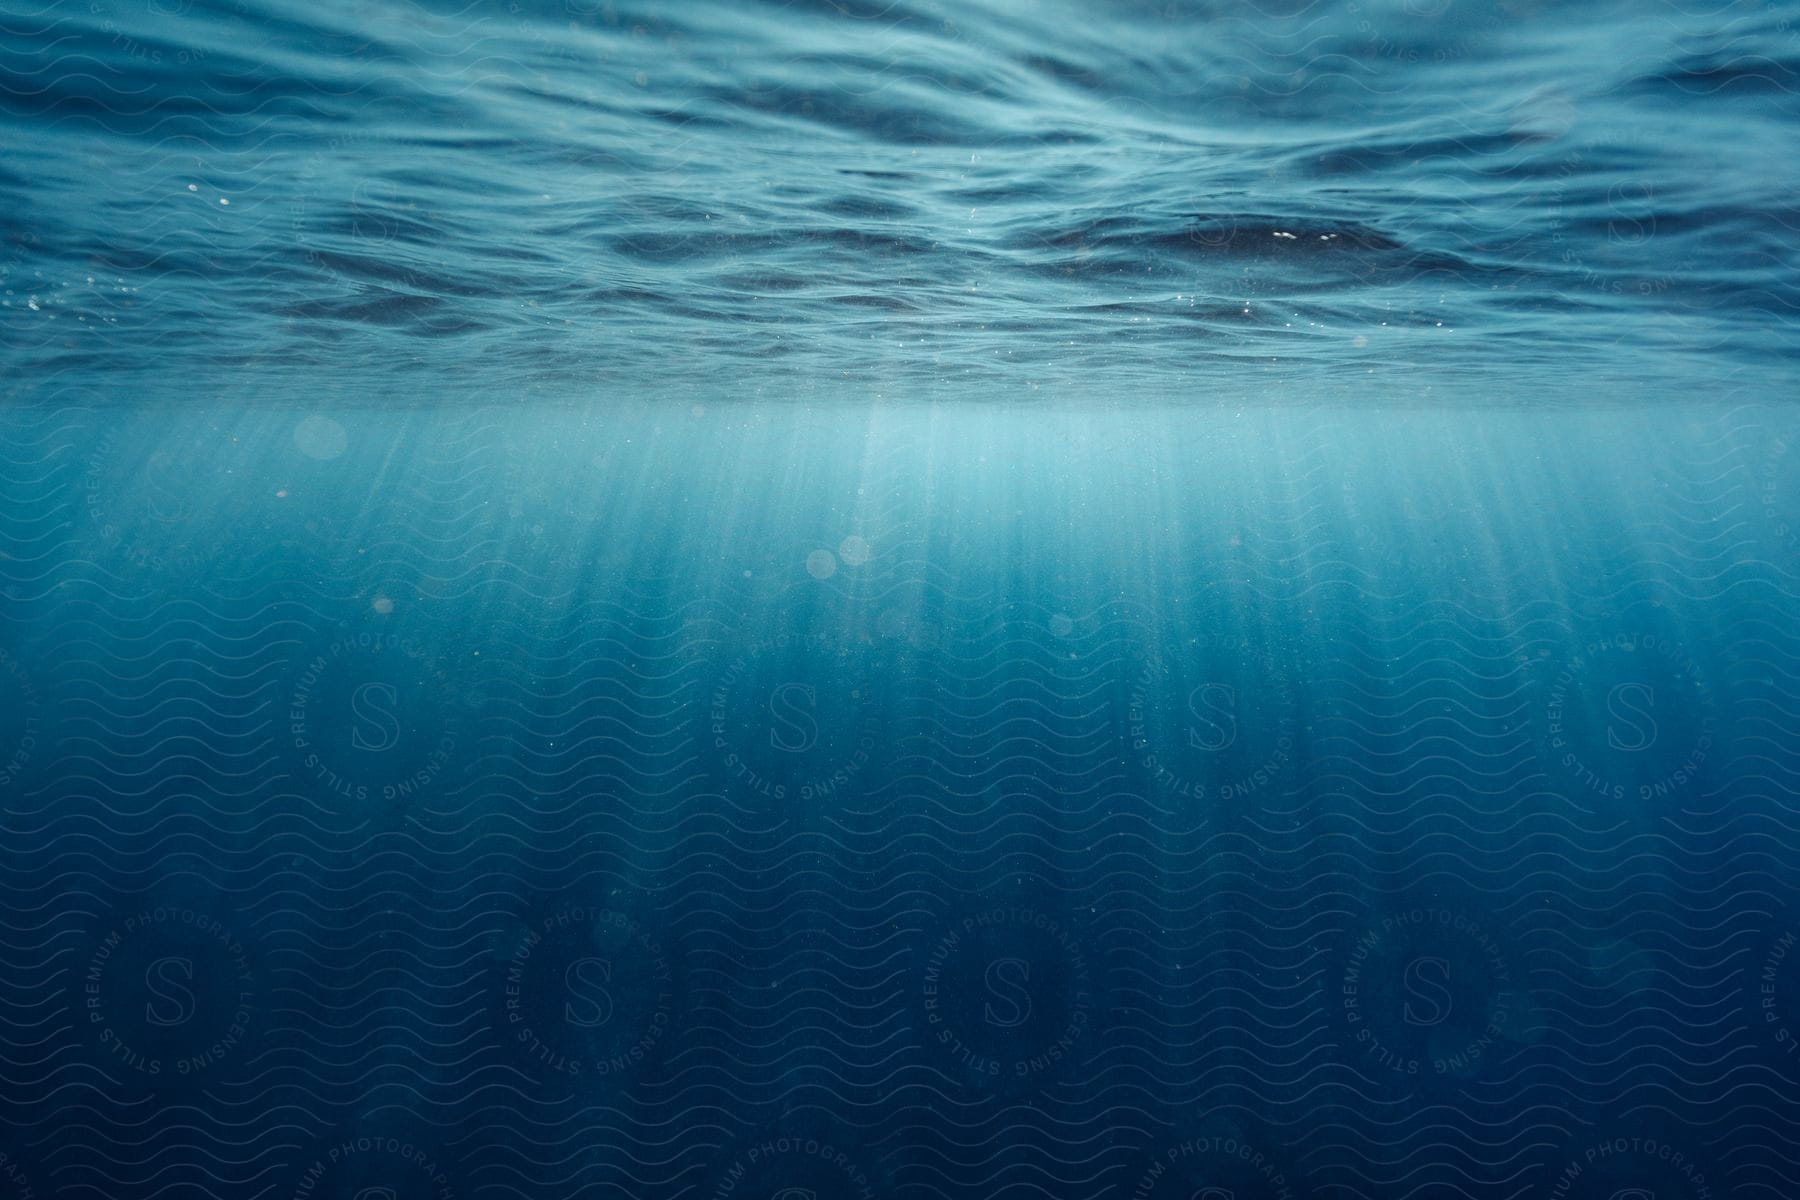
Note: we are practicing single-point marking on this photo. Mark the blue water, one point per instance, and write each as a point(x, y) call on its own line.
point(899, 600)
point(1125, 200)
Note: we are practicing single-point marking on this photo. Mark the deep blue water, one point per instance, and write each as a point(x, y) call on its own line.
point(899, 600)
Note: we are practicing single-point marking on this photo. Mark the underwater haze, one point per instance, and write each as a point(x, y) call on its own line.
point(998, 600)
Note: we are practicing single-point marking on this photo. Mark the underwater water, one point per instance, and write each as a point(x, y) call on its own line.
point(1004, 599)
